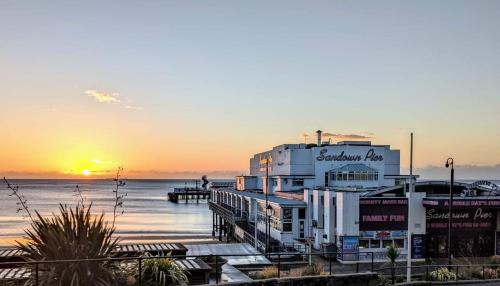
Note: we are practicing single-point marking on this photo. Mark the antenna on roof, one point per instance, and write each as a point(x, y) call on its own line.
point(305, 135)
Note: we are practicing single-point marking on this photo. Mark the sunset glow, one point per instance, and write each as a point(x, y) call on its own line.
point(182, 93)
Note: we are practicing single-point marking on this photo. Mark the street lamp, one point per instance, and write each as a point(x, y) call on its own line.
point(449, 163)
point(269, 212)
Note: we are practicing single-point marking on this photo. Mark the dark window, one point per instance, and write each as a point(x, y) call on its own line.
point(298, 182)
point(287, 213)
point(287, 226)
point(326, 179)
point(364, 243)
point(302, 213)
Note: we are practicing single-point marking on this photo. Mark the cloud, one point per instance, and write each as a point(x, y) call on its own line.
point(111, 98)
point(103, 97)
point(133, 107)
point(346, 136)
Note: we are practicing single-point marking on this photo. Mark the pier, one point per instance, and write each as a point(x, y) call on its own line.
point(187, 194)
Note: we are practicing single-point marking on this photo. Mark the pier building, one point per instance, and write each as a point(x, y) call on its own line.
point(350, 197)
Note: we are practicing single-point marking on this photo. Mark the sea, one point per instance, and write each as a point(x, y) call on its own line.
point(147, 213)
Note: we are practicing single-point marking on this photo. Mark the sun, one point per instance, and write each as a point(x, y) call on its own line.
point(86, 172)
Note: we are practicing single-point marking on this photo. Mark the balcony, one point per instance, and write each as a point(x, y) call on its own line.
point(227, 212)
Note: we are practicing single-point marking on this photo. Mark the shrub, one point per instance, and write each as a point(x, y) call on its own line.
point(495, 260)
point(70, 235)
point(442, 274)
point(392, 254)
point(162, 272)
point(489, 273)
point(268, 272)
point(312, 270)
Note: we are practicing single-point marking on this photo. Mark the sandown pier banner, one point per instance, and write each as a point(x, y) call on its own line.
point(491, 203)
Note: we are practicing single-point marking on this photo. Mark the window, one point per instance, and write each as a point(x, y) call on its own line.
point(275, 182)
point(386, 243)
point(287, 226)
point(399, 243)
point(302, 213)
point(364, 243)
point(326, 179)
point(298, 182)
point(370, 176)
point(351, 176)
point(354, 176)
point(287, 213)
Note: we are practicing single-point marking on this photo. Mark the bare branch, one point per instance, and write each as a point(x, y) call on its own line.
point(22, 202)
point(119, 182)
point(79, 194)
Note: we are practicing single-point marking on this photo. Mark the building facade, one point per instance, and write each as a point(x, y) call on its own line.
point(350, 197)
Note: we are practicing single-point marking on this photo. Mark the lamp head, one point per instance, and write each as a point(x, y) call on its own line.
point(447, 165)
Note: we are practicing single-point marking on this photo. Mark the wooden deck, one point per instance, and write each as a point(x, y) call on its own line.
point(10, 257)
point(10, 274)
point(153, 248)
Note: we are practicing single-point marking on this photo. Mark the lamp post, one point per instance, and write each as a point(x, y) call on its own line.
point(449, 163)
point(269, 213)
point(408, 240)
point(267, 204)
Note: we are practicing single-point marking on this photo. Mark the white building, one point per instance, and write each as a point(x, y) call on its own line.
point(347, 197)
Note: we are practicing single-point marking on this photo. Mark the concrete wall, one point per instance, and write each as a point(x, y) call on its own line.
point(361, 279)
point(347, 213)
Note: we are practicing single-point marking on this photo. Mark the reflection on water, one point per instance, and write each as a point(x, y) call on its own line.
point(147, 210)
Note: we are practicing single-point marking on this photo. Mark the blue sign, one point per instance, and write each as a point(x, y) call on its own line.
point(417, 246)
point(350, 244)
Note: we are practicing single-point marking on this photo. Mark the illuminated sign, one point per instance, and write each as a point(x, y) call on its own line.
point(464, 219)
point(370, 156)
point(383, 214)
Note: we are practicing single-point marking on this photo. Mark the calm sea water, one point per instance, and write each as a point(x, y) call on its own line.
point(148, 213)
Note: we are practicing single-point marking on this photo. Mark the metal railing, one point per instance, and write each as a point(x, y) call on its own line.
point(280, 260)
point(426, 272)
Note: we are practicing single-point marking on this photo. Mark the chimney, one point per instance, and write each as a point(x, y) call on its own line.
point(319, 137)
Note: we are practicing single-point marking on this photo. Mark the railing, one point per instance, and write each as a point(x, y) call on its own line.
point(455, 272)
point(277, 259)
point(228, 212)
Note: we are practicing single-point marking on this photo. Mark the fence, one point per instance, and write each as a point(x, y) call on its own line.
point(279, 260)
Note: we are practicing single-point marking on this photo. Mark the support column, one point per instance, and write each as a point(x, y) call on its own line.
point(220, 228)
point(213, 224)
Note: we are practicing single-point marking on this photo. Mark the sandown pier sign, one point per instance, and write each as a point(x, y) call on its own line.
point(342, 156)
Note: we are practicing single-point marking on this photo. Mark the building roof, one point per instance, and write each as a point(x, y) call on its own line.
point(354, 168)
point(272, 199)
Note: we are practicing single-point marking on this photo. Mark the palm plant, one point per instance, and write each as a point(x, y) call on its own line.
point(70, 235)
point(162, 271)
point(392, 254)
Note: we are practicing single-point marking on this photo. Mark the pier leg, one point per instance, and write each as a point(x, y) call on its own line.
point(220, 228)
point(213, 224)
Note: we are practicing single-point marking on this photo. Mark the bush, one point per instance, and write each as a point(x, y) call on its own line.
point(70, 235)
point(312, 270)
point(495, 260)
point(442, 274)
point(489, 273)
point(268, 272)
point(162, 272)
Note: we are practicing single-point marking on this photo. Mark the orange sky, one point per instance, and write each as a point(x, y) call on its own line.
point(184, 88)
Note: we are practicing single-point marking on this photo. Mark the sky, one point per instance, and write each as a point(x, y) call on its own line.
point(175, 89)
